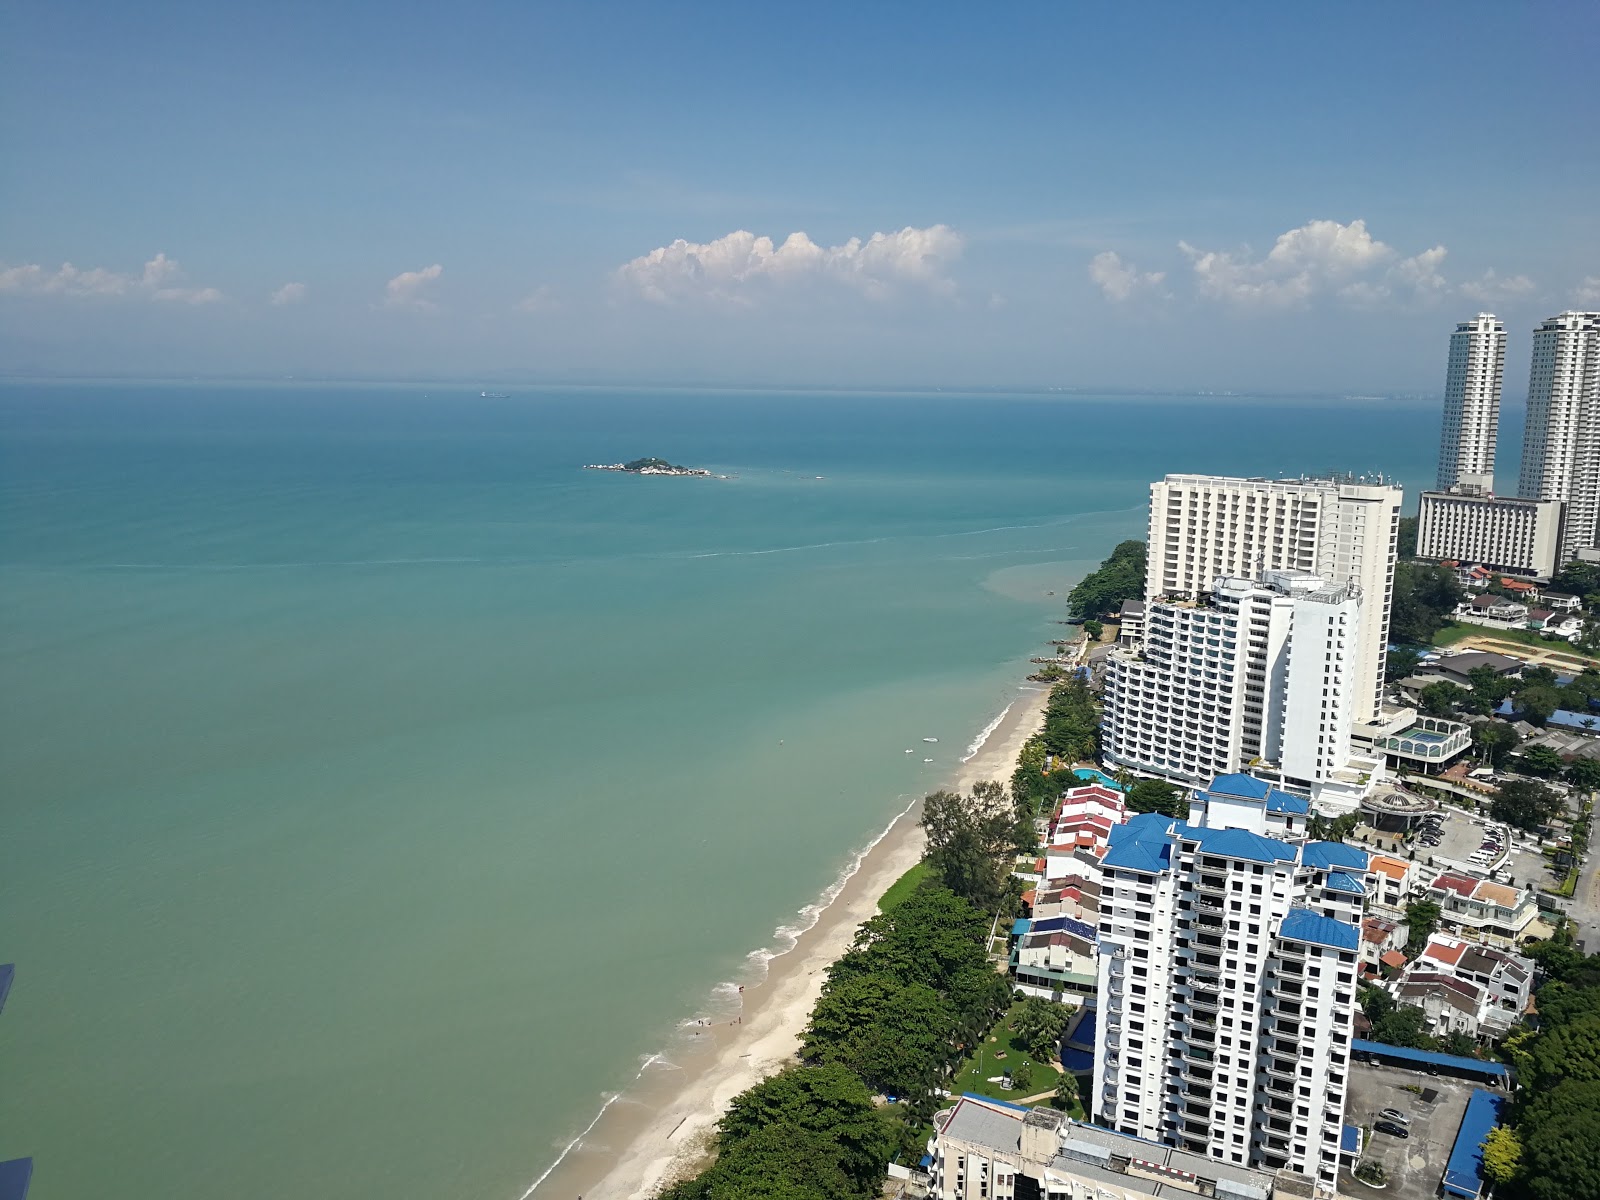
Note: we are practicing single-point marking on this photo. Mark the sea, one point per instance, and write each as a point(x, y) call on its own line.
point(380, 790)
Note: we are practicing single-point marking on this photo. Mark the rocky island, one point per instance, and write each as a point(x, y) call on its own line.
point(649, 466)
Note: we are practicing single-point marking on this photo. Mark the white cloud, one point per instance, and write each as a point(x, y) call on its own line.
point(731, 267)
point(289, 293)
point(1588, 292)
point(1120, 280)
point(405, 289)
point(541, 300)
point(159, 280)
point(1491, 288)
point(1319, 258)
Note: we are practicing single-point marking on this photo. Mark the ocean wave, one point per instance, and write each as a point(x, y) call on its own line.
point(977, 742)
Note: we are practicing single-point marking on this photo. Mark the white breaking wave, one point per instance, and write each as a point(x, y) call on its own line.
point(610, 1099)
point(977, 742)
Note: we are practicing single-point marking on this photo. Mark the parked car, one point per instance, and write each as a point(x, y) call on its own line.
point(1395, 1115)
point(1393, 1130)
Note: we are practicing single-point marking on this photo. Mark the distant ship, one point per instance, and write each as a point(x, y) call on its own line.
point(930, 739)
point(494, 395)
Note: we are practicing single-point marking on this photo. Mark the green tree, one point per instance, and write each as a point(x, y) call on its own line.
point(1441, 699)
point(895, 1035)
point(1576, 579)
point(1066, 1091)
point(1537, 703)
point(1502, 1154)
point(1525, 804)
point(1021, 1077)
point(1407, 1025)
point(829, 1100)
point(1094, 629)
point(1584, 773)
point(1040, 1024)
point(1159, 796)
point(781, 1162)
point(1424, 597)
point(972, 842)
point(1459, 1043)
point(1489, 684)
point(1422, 918)
point(1495, 741)
point(1406, 544)
point(1541, 760)
point(1401, 661)
point(1559, 1132)
point(1120, 577)
point(1567, 1051)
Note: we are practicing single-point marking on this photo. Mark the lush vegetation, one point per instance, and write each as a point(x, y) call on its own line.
point(1549, 1152)
point(1157, 795)
point(904, 886)
point(1424, 597)
point(1022, 1043)
point(1406, 546)
point(1071, 734)
point(1525, 804)
point(1120, 577)
point(1422, 918)
point(973, 841)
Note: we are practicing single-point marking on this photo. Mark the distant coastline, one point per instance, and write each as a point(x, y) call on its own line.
point(650, 466)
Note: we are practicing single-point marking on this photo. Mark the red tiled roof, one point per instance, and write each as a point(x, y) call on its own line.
point(1443, 953)
point(1393, 958)
point(1459, 884)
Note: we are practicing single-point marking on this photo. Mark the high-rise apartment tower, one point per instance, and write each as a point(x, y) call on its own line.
point(1561, 440)
point(1205, 527)
point(1472, 404)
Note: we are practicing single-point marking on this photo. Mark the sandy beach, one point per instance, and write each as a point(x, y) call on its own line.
point(646, 1141)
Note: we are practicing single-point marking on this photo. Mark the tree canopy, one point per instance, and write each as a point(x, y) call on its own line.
point(1157, 795)
point(1120, 577)
point(1424, 597)
point(973, 840)
point(1525, 804)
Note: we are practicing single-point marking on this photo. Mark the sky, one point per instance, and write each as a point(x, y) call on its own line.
point(1250, 197)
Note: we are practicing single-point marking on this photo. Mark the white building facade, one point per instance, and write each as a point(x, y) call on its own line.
point(1258, 673)
point(1205, 527)
point(1227, 990)
point(1472, 404)
point(1561, 439)
point(1509, 535)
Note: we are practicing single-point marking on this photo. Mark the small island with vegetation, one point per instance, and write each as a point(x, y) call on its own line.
point(649, 466)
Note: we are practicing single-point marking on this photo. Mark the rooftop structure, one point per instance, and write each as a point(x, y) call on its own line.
point(1463, 1174)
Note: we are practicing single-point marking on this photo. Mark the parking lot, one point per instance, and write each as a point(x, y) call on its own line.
point(1415, 1164)
point(1460, 837)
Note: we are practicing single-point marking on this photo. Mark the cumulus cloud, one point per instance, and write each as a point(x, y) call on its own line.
point(1121, 280)
point(1588, 291)
point(1318, 258)
point(289, 293)
point(1491, 288)
point(541, 300)
point(735, 266)
point(160, 279)
point(405, 290)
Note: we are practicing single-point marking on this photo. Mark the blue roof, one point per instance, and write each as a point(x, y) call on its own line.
point(1463, 1174)
point(1303, 925)
point(14, 1177)
point(1565, 718)
point(1350, 1139)
point(1328, 855)
point(1504, 708)
point(1063, 925)
point(7, 973)
point(1020, 926)
point(1282, 802)
point(1455, 1062)
point(991, 1100)
point(1143, 843)
point(1339, 881)
point(1241, 843)
point(1237, 784)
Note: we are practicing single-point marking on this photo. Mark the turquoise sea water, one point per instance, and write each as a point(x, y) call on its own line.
point(378, 788)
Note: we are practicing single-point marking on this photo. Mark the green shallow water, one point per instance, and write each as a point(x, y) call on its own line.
point(379, 789)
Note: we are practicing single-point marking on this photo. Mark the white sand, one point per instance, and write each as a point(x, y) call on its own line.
point(673, 1143)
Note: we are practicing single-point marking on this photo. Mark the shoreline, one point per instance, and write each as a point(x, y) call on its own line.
point(659, 1131)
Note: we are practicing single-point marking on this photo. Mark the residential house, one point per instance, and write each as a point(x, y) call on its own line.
point(1562, 602)
point(1378, 937)
point(1493, 912)
point(1393, 879)
point(1489, 609)
point(1457, 668)
point(1506, 978)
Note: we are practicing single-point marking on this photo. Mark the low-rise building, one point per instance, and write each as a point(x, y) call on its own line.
point(986, 1149)
point(1506, 979)
point(1505, 534)
point(1487, 910)
point(1494, 611)
point(1380, 935)
point(1458, 668)
point(1392, 882)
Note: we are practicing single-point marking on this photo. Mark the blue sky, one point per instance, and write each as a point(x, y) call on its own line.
point(1274, 197)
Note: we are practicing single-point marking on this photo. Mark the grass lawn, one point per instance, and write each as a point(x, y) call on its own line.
point(904, 886)
point(1457, 631)
point(986, 1061)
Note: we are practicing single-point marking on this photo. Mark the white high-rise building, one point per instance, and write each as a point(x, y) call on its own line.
point(1258, 673)
point(1504, 533)
point(1227, 982)
point(1472, 405)
point(1561, 439)
point(1205, 527)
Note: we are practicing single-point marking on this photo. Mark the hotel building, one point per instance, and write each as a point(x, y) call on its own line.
point(1206, 527)
point(1256, 673)
point(1561, 439)
point(1506, 534)
point(1472, 404)
point(1227, 983)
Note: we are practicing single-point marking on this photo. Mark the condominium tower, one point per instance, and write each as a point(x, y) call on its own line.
point(1472, 404)
point(1561, 439)
point(1206, 527)
point(1227, 991)
point(1258, 672)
